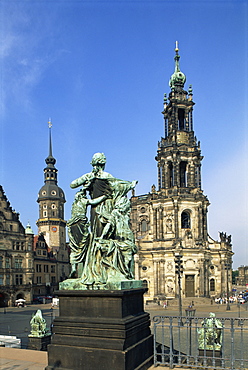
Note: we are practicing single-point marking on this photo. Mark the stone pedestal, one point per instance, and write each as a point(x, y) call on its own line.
point(213, 358)
point(101, 329)
point(39, 344)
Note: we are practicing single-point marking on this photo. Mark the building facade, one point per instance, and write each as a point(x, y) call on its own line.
point(51, 223)
point(242, 278)
point(16, 256)
point(45, 268)
point(170, 223)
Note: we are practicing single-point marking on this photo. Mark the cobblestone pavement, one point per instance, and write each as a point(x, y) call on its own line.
point(23, 359)
point(15, 321)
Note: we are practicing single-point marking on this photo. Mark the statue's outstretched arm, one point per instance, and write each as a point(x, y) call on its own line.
point(77, 182)
point(81, 180)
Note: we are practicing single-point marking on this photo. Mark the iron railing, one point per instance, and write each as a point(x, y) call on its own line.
point(176, 342)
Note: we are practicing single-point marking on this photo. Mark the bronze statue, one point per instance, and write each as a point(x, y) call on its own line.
point(101, 251)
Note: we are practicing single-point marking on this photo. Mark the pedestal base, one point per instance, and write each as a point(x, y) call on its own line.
point(213, 358)
point(101, 330)
point(39, 344)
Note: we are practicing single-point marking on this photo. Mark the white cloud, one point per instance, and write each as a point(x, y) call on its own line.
point(24, 56)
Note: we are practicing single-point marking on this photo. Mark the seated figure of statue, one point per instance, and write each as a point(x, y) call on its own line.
point(38, 326)
point(210, 335)
point(102, 250)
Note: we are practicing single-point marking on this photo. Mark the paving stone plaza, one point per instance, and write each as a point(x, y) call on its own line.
point(15, 321)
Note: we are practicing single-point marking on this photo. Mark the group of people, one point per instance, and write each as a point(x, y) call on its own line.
point(102, 250)
point(224, 300)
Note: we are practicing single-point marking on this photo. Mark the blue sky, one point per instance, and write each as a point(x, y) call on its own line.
point(100, 69)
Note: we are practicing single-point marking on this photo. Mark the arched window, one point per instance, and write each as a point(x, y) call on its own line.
point(185, 220)
point(212, 285)
point(144, 226)
point(183, 174)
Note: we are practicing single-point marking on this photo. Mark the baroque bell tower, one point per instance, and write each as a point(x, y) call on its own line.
point(171, 221)
point(51, 199)
point(179, 162)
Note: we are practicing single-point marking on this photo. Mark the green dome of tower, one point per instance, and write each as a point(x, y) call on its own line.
point(178, 78)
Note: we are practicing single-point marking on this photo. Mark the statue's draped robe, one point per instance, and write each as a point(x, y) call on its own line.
point(111, 248)
point(78, 231)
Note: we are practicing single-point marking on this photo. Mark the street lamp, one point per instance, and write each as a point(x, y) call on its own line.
point(179, 272)
point(190, 313)
point(51, 322)
point(227, 267)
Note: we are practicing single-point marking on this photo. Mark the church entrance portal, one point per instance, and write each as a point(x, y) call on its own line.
point(190, 285)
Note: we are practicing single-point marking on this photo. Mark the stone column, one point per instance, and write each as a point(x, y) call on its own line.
point(162, 276)
point(159, 176)
point(155, 229)
point(163, 175)
point(155, 277)
point(160, 215)
point(176, 218)
point(200, 222)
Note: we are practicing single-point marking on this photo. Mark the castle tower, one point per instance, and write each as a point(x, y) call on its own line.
point(172, 220)
point(51, 201)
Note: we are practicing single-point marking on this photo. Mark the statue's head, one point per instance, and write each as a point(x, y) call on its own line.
point(98, 159)
point(211, 314)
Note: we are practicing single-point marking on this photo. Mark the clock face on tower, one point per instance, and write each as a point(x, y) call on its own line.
point(54, 229)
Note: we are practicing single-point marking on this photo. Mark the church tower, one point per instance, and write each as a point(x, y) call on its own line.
point(179, 165)
point(51, 199)
point(172, 220)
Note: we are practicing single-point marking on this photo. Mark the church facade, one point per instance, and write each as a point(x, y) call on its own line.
point(170, 222)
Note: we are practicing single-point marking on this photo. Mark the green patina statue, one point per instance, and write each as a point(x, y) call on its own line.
point(102, 250)
point(38, 326)
point(210, 335)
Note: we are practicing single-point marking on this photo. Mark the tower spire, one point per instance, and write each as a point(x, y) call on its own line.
point(50, 160)
point(177, 58)
point(50, 137)
point(178, 78)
